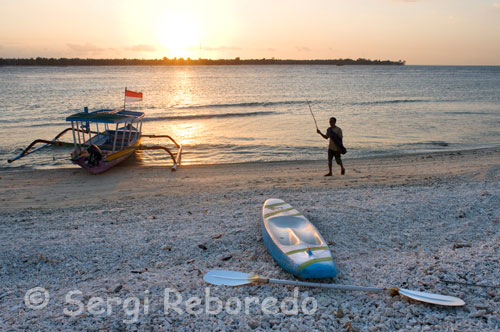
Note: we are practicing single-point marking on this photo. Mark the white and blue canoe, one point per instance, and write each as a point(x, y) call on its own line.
point(294, 242)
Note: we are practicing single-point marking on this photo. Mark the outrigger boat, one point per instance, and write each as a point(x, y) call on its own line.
point(104, 138)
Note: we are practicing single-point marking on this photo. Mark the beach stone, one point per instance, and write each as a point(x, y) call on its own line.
point(253, 324)
point(478, 314)
point(397, 305)
point(324, 300)
point(389, 312)
point(14, 308)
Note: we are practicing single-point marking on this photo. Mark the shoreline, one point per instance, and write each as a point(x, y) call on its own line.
point(52, 188)
point(382, 156)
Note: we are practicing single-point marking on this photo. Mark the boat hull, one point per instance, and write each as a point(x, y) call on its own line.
point(108, 160)
point(294, 242)
point(102, 166)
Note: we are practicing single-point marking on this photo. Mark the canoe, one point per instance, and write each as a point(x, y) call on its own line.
point(294, 242)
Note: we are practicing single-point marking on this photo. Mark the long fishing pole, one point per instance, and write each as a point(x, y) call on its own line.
point(310, 109)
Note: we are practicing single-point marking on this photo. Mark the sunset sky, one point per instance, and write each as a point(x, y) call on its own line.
point(427, 32)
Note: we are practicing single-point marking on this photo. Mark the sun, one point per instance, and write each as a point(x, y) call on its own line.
point(180, 36)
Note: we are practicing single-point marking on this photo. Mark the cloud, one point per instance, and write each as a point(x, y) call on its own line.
point(336, 50)
point(303, 49)
point(86, 48)
point(141, 48)
point(221, 48)
point(268, 49)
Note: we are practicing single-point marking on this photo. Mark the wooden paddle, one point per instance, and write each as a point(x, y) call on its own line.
point(234, 278)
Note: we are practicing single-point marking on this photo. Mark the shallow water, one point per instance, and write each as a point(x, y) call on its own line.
point(226, 114)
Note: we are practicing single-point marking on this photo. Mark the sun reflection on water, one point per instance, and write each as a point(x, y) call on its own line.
point(185, 134)
point(181, 94)
point(184, 92)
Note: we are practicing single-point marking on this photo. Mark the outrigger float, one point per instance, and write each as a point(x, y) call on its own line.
point(104, 138)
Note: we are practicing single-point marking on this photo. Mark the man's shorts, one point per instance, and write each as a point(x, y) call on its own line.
point(335, 154)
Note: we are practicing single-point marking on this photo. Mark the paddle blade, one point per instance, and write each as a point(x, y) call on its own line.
point(431, 298)
point(229, 278)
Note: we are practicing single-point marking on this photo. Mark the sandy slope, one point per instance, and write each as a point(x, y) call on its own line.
point(409, 221)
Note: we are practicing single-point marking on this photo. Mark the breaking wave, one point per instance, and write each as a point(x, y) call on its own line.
point(206, 116)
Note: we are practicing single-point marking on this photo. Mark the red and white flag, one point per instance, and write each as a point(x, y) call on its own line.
point(131, 96)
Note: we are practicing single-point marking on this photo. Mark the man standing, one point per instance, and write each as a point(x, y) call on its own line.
point(335, 147)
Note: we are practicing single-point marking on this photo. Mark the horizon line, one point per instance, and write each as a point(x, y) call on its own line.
point(39, 61)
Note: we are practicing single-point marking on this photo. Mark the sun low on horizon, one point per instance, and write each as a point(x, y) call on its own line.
point(453, 32)
point(179, 36)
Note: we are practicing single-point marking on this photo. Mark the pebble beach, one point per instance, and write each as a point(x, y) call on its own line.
point(113, 252)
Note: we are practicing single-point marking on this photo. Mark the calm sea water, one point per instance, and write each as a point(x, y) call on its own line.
point(258, 113)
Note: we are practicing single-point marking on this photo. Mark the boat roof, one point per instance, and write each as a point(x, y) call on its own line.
point(107, 116)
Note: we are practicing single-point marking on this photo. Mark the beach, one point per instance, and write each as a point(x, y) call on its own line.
point(135, 234)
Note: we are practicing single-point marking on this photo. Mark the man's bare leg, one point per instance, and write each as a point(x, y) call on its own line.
point(330, 170)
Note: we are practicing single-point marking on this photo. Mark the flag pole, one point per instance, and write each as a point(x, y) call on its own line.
point(124, 98)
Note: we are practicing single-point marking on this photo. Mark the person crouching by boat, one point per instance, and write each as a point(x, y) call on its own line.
point(335, 146)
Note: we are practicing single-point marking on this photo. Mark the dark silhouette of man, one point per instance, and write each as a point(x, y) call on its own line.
point(335, 145)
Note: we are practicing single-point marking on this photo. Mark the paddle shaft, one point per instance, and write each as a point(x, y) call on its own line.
point(310, 109)
point(317, 284)
point(234, 278)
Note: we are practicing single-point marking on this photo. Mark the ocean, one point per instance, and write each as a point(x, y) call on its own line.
point(232, 114)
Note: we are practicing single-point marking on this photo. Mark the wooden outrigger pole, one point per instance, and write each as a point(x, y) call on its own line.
point(54, 141)
point(176, 159)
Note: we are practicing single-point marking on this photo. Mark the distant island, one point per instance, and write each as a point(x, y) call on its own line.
point(188, 62)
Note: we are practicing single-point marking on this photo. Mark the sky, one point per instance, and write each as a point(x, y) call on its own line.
point(421, 32)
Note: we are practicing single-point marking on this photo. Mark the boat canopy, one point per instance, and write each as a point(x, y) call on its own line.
point(107, 116)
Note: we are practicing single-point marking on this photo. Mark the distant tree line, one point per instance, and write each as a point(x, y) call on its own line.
point(187, 62)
